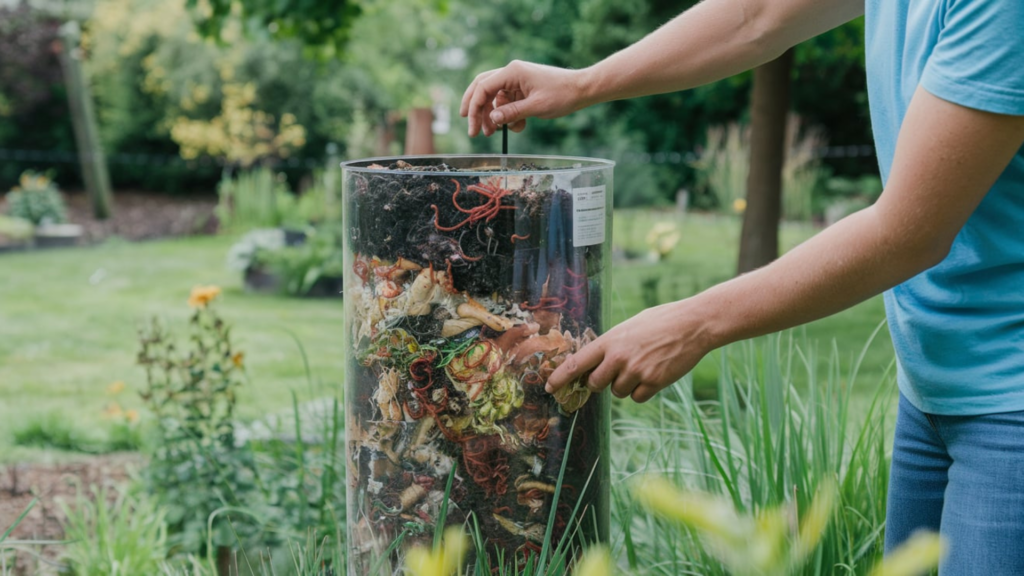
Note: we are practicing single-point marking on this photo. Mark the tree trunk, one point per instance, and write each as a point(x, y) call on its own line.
point(83, 118)
point(769, 106)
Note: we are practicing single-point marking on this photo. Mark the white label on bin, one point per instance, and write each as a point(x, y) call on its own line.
point(588, 216)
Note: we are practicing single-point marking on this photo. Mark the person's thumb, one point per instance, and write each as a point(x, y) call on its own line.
point(512, 112)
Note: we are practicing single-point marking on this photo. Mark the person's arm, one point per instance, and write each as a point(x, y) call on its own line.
point(713, 40)
point(947, 158)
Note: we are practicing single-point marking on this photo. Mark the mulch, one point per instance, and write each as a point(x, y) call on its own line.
point(51, 484)
point(140, 215)
point(144, 216)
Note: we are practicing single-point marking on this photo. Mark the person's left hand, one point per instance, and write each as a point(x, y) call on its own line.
point(641, 356)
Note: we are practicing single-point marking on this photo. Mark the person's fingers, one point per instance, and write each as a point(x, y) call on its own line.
point(518, 125)
point(514, 112)
point(483, 97)
point(624, 384)
point(603, 375)
point(500, 99)
point(486, 124)
point(644, 392)
point(470, 90)
point(575, 366)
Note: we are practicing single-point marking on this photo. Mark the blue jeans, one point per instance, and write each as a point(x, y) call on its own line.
point(962, 476)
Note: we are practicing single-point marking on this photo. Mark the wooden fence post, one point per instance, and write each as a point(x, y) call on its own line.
point(83, 117)
point(419, 134)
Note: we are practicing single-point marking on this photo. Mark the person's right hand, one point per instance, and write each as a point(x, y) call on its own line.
point(519, 91)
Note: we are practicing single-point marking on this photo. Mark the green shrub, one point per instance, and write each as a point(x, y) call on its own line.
point(301, 266)
point(15, 228)
point(195, 469)
point(256, 198)
point(37, 200)
point(121, 536)
point(223, 488)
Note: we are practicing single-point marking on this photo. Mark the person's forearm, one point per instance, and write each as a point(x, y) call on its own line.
point(713, 40)
point(857, 258)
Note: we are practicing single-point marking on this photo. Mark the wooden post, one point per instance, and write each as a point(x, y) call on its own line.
point(419, 133)
point(83, 117)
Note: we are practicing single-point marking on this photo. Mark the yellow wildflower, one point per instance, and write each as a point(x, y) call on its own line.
point(238, 359)
point(115, 388)
point(815, 521)
point(442, 562)
point(203, 295)
point(597, 561)
point(131, 415)
point(918, 555)
point(663, 238)
point(739, 205)
point(715, 517)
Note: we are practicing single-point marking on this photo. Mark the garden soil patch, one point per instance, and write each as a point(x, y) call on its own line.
point(51, 483)
point(144, 216)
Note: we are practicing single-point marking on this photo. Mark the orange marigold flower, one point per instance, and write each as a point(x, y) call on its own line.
point(203, 295)
point(131, 415)
point(115, 388)
point(238, 359)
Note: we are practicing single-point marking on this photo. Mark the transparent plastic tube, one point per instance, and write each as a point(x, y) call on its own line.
point(468, 280)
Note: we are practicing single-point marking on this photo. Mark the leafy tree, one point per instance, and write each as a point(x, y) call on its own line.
point(324, 24)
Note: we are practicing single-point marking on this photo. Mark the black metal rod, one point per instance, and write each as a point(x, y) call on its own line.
point(504, 139)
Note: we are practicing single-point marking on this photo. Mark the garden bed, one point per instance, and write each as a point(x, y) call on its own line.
point(144, 215)
point(20, 483)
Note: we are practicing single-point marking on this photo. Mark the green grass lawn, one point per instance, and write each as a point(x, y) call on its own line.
point(706, 255)
point(68, 320)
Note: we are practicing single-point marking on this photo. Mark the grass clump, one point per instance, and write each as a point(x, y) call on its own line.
point(114, 534)
point(57, 431)
point(764, 444)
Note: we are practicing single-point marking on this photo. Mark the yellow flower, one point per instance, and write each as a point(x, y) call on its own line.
point(597, 561)
point(918, 555)
point(715, 517)
point(745, 544)
point(442, 562)
point(739, 205)
point(815, 521)
point(115, 388)
point(131, 415)
point(662, 238)
point(203, 295)
point(238, 359)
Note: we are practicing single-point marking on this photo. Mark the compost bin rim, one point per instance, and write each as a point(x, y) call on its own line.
point(362, 164)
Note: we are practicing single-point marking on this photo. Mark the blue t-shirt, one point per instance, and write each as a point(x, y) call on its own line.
point(958, 328)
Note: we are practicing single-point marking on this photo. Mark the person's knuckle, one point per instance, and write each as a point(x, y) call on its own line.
point(571, 364)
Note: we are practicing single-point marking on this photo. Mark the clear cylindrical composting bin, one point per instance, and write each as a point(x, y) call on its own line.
point(468, 280)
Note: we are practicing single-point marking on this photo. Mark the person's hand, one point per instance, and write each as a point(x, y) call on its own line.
point(641, 356)
point(519, 91)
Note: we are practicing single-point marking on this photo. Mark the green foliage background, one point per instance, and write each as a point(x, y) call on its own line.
point(399, 54)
